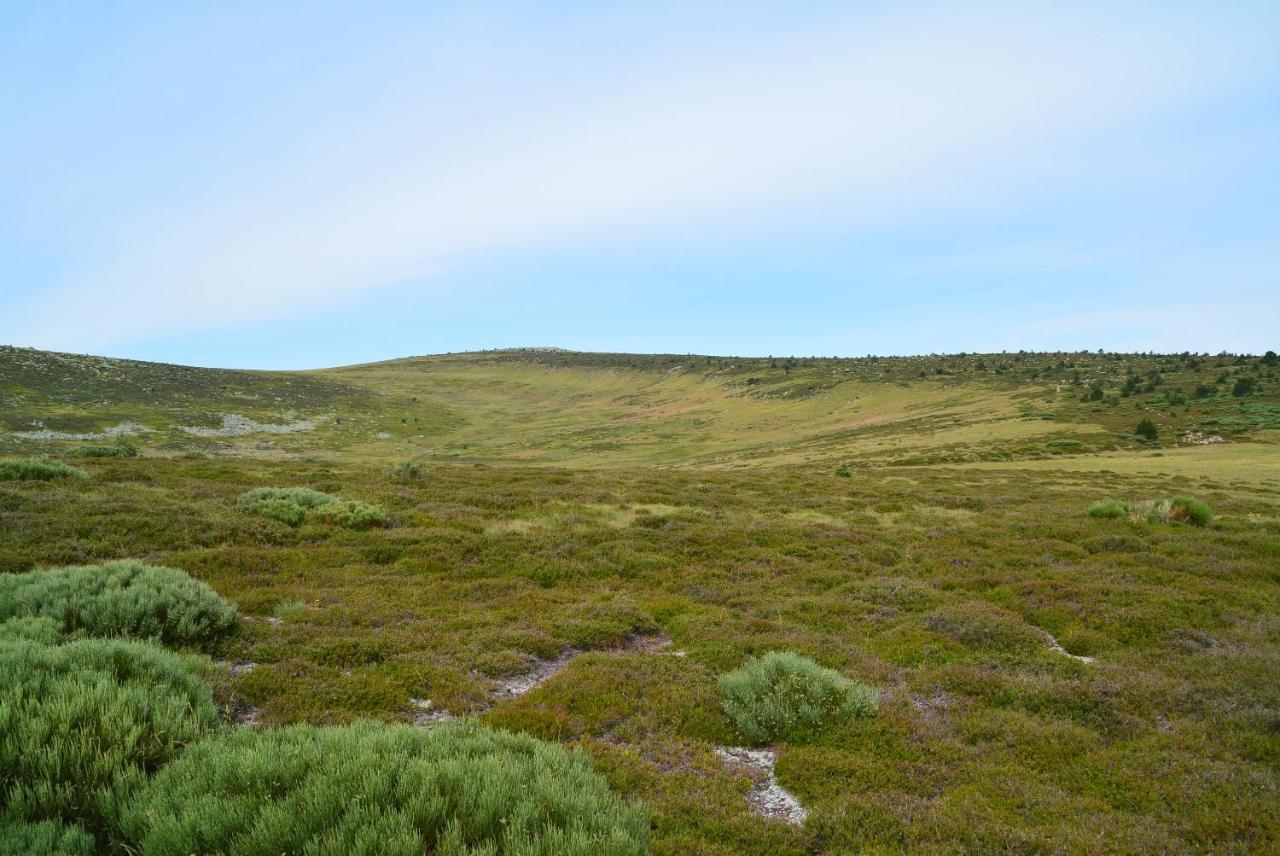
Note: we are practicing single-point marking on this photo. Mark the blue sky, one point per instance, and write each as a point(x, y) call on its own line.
point(297, 185)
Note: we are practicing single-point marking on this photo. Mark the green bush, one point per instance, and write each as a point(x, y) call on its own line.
point(1188, 509)
point(352, 514)
point(34, 628)
point(83, 724)
point(292, 505)
point(1065, 443)
point(121, 449)
point(1147, 431)
point(45, 837)
point(409, 471)
point(120, 599)
point(786, 696)
point(1109, 508)
point(844, 472)
point(38, 469)
point(389, 789)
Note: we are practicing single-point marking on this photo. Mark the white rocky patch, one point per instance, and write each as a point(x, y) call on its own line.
point(769, 799)
point(234, 425)
point(124, 429)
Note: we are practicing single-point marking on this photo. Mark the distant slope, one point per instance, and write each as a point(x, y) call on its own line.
point(581, 409)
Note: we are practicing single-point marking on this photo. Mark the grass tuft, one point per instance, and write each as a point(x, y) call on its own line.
point(786, 696)
point(1108, 509)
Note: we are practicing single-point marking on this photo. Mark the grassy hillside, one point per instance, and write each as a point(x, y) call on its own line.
point(587, 541)
point(598, 410)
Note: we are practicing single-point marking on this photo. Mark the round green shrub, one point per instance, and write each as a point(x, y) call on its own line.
point(120, 599)
point(1109, 508)
point(121, 449)
point(786, 696)
point(389, 789)
point(352, 514)
point(83, 724)
point(1188, 509)
point(289, 505)
point(38, 469)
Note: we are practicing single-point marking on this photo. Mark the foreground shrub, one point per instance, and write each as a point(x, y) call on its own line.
point(352, 514)
point(38, 469)
point(83, 724)
point(1109, 508)
point(34, 628)
point(46, 837)
point(785, 696)
point(120, 599)
point(390, 789)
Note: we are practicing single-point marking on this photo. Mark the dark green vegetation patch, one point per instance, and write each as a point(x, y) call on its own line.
point(122, 449)
point(38, 469)
point(120, 599)
point(459, 788)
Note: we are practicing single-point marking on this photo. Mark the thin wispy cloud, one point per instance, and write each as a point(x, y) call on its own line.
point(418, 163)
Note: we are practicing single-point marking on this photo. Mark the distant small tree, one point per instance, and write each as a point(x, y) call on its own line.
point(1243, 387)
point(1269, 358)
point(1147, 430)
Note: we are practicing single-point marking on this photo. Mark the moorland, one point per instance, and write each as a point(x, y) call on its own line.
point(524, 601)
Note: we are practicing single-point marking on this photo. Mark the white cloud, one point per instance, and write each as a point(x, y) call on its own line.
point(898, 116)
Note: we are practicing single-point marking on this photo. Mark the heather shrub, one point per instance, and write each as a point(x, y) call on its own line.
point(389, 789)
point(83, 724)
point(785, 696)
point(122, 449)
point(38, 469)
point(124, 598)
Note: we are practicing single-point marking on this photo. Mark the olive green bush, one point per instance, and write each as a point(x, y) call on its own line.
point(293, 505)
point(122, 449)
point(352, 514)
point(1109, 508)
point(786, 696)
point(38, 469)
point(386, 789)
point(124, 598)
point(83, 724)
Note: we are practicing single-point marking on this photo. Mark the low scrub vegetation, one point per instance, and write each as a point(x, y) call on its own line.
point(1179, 509)
point(83, 724)
point(120, 599)
point(459, 788)
point(293, 505)
point(785, 696)
point(1109, 508)
point(352, 514)
point(122, 449)
point(38, 469)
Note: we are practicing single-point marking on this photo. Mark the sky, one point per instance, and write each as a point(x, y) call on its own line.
point(314, 184)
